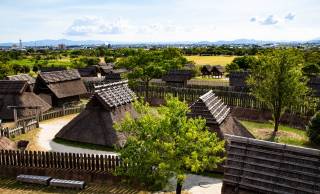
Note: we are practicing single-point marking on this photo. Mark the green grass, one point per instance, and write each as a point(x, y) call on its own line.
point(83, 145)
point(211, 60)
point(285, 134)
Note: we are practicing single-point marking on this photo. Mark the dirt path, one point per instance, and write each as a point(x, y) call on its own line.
point(48, 129)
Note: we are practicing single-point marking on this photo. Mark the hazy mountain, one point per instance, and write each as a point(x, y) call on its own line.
point(50, 42)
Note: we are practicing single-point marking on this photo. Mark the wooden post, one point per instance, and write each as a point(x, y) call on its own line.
point(15, 116)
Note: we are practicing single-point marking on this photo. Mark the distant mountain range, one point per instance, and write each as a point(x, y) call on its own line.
point(49, 42)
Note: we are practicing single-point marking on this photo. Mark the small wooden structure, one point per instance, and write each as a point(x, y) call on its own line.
point(109, 105)
point(23, 77)
point(90, 71)
point(178, 78)
point(105, 68)
point(7, 144)
point(217, 115)
point(255, 166)
point(238, 78)
point(206, 70)
point(60, 87)
point(19, 94)
point(217, 71)
point(115, 75)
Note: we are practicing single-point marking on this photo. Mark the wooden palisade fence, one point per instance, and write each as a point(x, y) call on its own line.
point(233, 99)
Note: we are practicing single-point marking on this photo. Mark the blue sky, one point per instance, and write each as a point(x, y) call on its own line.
point(159, 20)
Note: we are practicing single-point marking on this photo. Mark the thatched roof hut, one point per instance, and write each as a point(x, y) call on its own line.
point(255, 166)
point(206, 70)
point(60, 87)
point(18, 93)
point(115, 75)
point(217, 70)
point(109, 105)
point(7, 144)
point(217, 115)
point(23, 77)
point(177, 77)
point(90, 71)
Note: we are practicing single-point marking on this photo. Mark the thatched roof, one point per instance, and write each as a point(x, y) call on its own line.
point(60, 76)
point(218, 68)
point(17, 93)
point(22, 77)
point(210, 107)
point(178, 76)
point(255, 166)
point(109, 105)
point(62, 84)
point(7, 144)
point(206, 68)
point(88, 71)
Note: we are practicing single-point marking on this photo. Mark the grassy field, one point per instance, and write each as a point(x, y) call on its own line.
point(287, 135)
point(211, 60)
point(32, 137)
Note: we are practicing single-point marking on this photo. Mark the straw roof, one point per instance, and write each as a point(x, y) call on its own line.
point(255, 166)
point(22, 77)
point(62, 84)
point(210, 107)
point(109, 105)
point(7, 144)
point(17, 93)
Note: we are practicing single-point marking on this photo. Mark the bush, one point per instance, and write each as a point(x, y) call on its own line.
point(313, 129)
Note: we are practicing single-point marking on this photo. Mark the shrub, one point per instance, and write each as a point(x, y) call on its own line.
point(313, 129)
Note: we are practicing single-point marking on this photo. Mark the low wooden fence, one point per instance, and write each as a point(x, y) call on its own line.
point(234, 99)
point(24, 125)
point(57, 161)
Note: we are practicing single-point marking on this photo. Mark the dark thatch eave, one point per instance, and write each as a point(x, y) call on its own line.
point(88, 71)
point(60, 76)
point(68, 88)
point(218, 68)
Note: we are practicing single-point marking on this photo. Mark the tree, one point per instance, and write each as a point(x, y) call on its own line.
point(313, 129)
point(279, 82)
point(167, 144)
point(146, 65)
point(244, 63)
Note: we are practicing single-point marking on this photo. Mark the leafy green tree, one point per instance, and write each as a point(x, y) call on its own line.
point(244, 62)
point(313, 129)
point(109, 59)
point(167, 144)
point(146, 65)
point(279, 82)
point(5, 70)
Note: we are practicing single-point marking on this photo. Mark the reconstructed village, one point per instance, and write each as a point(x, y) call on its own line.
point(161, 113)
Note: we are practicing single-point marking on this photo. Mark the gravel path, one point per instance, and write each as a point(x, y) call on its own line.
point(48, 129)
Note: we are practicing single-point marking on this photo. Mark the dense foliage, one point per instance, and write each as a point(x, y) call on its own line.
point(165, 143)
point(278, 81)
point(313, 129)
point(242, 63)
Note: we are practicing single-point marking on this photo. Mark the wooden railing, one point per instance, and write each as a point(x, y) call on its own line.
point(57, 161)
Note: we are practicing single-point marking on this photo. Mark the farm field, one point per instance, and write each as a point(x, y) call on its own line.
point(211, 60)
point(286, 135)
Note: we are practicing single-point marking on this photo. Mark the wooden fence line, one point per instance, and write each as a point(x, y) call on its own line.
point(59, 160)
point(26, 124)
point(235, 99)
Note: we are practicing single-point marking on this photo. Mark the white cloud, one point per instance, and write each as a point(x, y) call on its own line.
point(289, 16)
point(253, 19)
point(269, 20)
point(94, 25)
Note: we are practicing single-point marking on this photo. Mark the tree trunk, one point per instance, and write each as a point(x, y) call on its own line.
point(179, 188)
